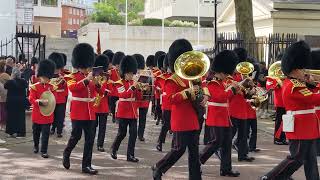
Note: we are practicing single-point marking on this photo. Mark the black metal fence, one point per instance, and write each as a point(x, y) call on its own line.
point(7, 46)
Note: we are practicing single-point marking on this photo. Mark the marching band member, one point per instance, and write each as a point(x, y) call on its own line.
point(150, 63)
point(165, 104)
point(82, 112)
point(143, 104)
point(41, 123)
point(185, 130)
point(65, 71)
point(300, 123)
point(126, 109)
point(114, 76)
point(61, 94)
point(102, 106)
point(218, 120)
point(156, 71)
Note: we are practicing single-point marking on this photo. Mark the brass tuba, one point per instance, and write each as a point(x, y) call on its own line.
point(275, 71)
point(245, 68)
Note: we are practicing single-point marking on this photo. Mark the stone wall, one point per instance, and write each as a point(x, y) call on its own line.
point(141, 39)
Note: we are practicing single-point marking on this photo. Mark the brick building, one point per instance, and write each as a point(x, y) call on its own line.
point(73, 15)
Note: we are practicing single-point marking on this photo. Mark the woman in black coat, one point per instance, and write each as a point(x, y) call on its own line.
point(16, 104)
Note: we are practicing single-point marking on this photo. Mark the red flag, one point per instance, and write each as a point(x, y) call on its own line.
point(98, 44)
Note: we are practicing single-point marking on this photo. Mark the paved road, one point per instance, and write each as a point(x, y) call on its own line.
point(18, 162)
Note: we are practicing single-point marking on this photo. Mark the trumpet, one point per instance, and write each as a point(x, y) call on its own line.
point(99, 80)
point(57, 81)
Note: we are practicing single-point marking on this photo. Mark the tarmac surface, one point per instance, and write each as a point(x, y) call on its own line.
point(17, 160)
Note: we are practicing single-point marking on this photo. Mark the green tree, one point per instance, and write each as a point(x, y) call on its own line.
point(107, 13)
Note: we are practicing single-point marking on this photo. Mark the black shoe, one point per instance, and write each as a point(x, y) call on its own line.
point(114, 155)
point(52, 132)
point(255, 150)
point(45, 155)
point(35, 150)
point(155, 173)
point(159, 147)
point(59, 136)
point(66, 161)
point(230, 173)
point(101, 149)
point(235, 147)
point(114, 120)
point(132, 159)
point(89, 170)
point(279, 142)
point(246, 158)
point(157, 123)
point(170, 132)
point(142, 139)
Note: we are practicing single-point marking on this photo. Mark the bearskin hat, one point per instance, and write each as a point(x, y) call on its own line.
point(64, 58)
point(315, 60)
point(225, 62)
point(157, 56)
point(165, 62)
point(150, 61)
point(177, 48)
point(83, 56)
point(160, 61)
point(102, 60)
point(297, 56)
point(242, 54)
point(128, 64)
point(46, 69)
point(140, 61)
point(57, 58)
point(34, 61)
point(117, 57)
point(108, 53)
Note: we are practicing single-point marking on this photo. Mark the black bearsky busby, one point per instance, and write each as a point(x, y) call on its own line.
point(64, 58)
point(58, 60)
point(117, 57)
point(102, 60)
point(297, 56)
point(177, 48)
point(242, 54)
point(161, 61)
point(83, 56)
point(225, 62)
point(108, 53)
point(166, 62)
point(315, 60)
point(150, 62)
point(128, 64)
point(46, 69)
point(157, 56)
point(140, 61)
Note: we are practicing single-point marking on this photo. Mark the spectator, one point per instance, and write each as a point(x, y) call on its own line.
point(9, 65)
point(4, 77)
point(16, 104)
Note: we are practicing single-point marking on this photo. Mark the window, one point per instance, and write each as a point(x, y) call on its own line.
point(70, 10)
point(78, 21)
point(70, 21)
point(78, 12)
point(35, 2)
point(49, 3)
point(81, 12)
point(74, 11)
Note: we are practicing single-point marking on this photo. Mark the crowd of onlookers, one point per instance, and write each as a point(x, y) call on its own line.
point(14, 77)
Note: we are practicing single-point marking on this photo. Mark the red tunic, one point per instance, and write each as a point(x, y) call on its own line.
point(251, 113)
point(103, 107)
point(34, 79)
point(36, 91)
point(61, 92)
point(157, 86)
point(127, 104)
point(238, 104)
point(299, 97)
point(114, 77)
point(183, 115)
point(217, 112)
point(165, 104)
point(277, 93)
point(82, 100)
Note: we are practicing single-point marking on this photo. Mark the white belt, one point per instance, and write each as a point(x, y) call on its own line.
point(82, 99)
point(317, 108)
point(60, 90)
point(300, 112)
point(218, 104)
point(161, 97)
point(127, 99)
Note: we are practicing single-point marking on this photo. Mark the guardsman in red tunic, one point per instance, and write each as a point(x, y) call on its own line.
point(126, 109)
point(157, 87)
point(143, 104)
point(300, 122)
point(276, 86)
point(41, 123)
point(150, 63)
point(101, 105)
point(115, 77)
point(165, 104)
point(217, 117)
point(61, 94)
point(184, 119)
point(82, 111)
point(65, 71)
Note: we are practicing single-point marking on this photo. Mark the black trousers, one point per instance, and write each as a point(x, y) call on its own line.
point(302, 152)
point(182, 140)
point(221, 139)
point(279, 112)
point(88, 126)
point(318, 147)
point(158, 110)
point(112, 106)
point(166, 116)
point(240, 127)
point(44, 131)
point(142, 121)
point(252, 133)
point(207, 136)
point(59, 115)
point(101, 124)
point(122, 132)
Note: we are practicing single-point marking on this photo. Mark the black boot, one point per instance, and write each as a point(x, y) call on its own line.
point(35, 149)
point(66, 160)
point(230, 173)
point(114, 154)
point(45, 155)
point(159, 147)
point(132, 159)
point(89, 170)
point(101, 149)
point(156, 174)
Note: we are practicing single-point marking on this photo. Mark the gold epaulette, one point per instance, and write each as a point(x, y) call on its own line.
point(161, 76)
point(119, 82)
point(71, 75)
point(33, 86)
point(177, 80)
point(297, 84)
